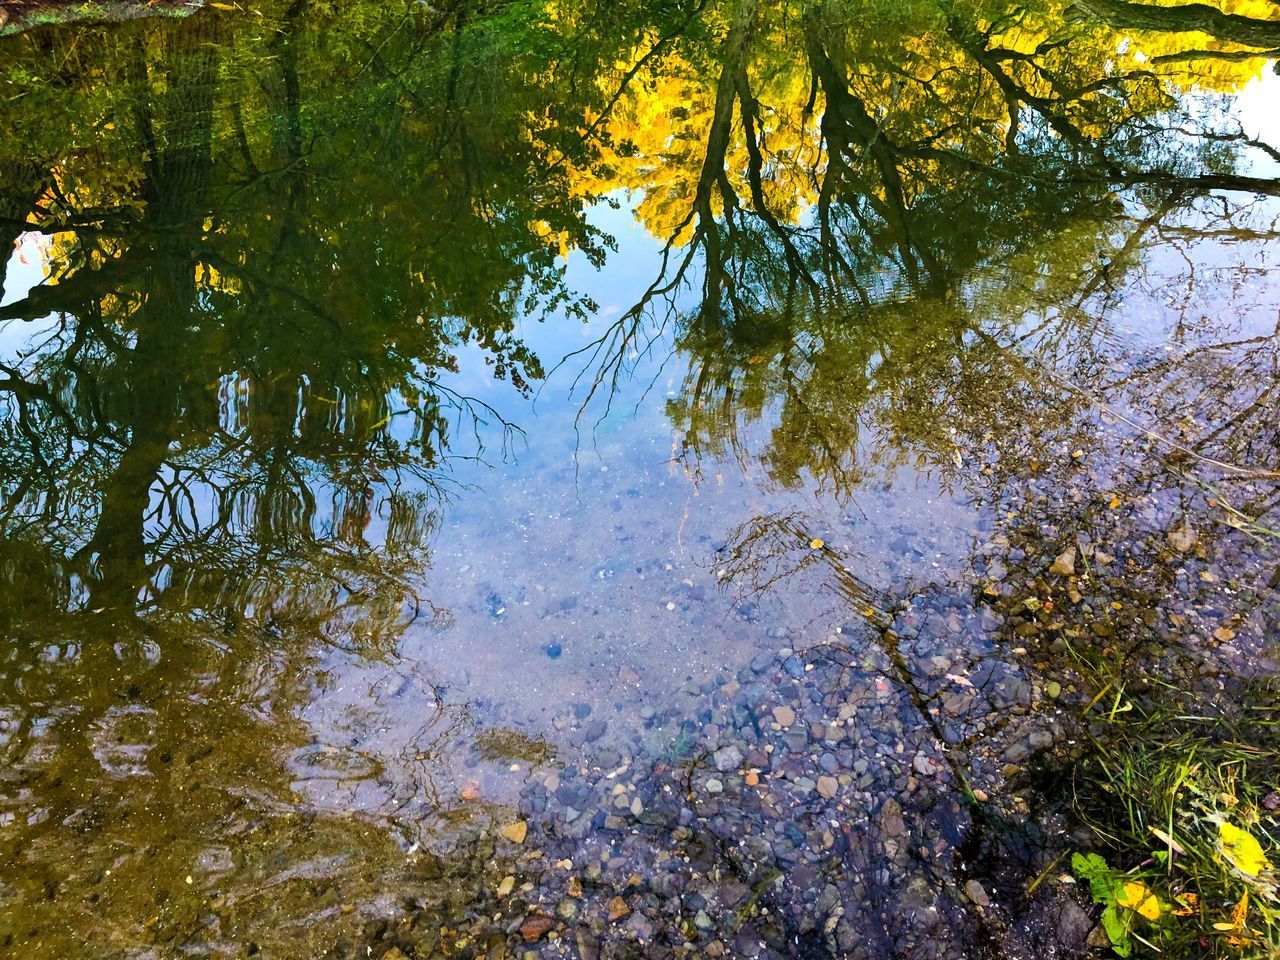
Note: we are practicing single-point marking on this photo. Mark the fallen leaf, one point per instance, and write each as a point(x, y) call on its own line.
point(1241, 910)
point(1168, 841)
point(1224, 634)
point(1139, 898)
point(1242, 850)
point(1239, 913)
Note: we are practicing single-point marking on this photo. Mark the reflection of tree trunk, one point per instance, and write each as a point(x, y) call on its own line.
point(180, 127)
point(1187, 18)
point(846, 122)
point(19, 189)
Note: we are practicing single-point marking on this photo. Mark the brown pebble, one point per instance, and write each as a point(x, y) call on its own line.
point(535, 928)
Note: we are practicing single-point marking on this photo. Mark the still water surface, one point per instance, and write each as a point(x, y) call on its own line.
point(610, 448)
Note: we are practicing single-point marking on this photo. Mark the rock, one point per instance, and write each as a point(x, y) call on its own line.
point(757, 758)
point(784, 715)
point(1041, 739)
point(628, 674)
point(827, 787)
point(973, 890)
point(1065, 565)
point(715, 786)
point(1182, 537)
point(891, 818)
point(1018, 751)
point(216, 859)
point(618, 909)
point(1073, 927)
point(727, 759)
point(506, 886)
point(535, 928)
point(1053, 689)
point(1098, 938)
point(588, 946)
point(516, 832)
point(796, 740)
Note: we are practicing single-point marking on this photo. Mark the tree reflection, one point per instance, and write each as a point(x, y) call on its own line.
point(273, 240)
point(226, 441)
point(868, 228)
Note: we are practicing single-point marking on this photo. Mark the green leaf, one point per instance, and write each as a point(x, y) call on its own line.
point(1101, 879)
point(1117, 931)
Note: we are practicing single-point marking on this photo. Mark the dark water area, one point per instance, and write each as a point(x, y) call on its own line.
point(719, 479)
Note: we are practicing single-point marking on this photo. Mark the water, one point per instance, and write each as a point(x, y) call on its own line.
point(647, 429)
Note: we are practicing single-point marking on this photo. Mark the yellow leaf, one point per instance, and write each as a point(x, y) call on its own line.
point(817, 544)
point(1242, 849)
point(1137, 897)
point(1240, 911)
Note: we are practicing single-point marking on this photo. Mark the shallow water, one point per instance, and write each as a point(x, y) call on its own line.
point(648, 427)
